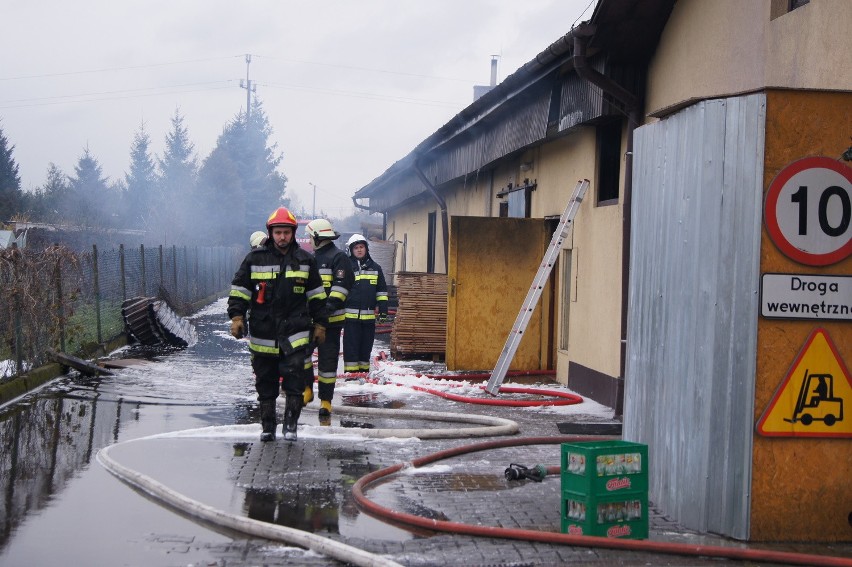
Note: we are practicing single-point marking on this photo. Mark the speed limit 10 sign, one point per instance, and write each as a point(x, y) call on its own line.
point(808, 211)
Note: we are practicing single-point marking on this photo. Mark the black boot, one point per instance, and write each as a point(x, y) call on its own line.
point(268, 420)
point(292, 410)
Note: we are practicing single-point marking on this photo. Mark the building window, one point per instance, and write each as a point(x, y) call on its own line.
point(430, 242)
point(778, 8)
point(609, 162)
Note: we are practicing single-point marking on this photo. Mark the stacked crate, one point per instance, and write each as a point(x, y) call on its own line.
point(605, 489)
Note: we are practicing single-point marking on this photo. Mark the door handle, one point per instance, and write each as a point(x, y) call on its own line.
point(453, 285)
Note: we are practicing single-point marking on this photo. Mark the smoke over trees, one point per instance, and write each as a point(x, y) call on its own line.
point(174, 198)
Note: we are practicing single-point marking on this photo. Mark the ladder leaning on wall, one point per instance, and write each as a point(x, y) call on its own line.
point(533, 295)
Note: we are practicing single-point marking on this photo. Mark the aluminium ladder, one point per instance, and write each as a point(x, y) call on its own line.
point(533, 295)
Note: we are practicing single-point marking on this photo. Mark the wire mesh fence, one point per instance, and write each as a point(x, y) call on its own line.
point(67, 301)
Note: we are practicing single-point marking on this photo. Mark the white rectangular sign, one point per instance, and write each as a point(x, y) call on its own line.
point(806, 296)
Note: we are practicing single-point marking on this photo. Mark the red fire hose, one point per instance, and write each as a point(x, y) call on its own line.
point(693, 550)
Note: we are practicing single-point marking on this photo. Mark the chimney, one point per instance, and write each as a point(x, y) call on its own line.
point(479, 90)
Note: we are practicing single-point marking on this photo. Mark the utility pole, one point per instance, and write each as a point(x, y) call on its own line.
point(250, 88)
point(314, 213)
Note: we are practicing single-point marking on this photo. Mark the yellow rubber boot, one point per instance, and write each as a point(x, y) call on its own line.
point(308, 396)
point(325, 408)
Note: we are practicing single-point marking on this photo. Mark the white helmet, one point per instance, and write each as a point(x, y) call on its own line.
point(321, 229)
point(258, 238)
point(355, 239)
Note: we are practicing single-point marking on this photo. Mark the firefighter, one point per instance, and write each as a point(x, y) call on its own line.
point(258, 239)
point(367, 294)
point(337, 278)
point(280, 290)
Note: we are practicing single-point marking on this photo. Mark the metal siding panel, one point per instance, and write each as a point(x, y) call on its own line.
point(692, 324)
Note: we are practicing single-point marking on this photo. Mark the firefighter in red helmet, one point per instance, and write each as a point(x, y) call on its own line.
point(277, 299)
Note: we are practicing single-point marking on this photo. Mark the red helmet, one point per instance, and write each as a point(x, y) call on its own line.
point(281, 217)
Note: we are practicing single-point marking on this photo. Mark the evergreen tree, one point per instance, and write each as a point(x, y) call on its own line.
point(90, 193)
point(178, 170)
point(218, 182)
point(11, 196)
point(48, 200)
point(140, 181)
point(262, 186)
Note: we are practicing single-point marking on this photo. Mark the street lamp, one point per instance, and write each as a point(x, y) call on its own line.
point(314, 213)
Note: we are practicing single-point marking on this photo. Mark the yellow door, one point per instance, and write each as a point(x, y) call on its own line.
point(491, 267)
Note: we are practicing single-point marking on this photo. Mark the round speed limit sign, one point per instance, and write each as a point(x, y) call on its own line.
point(809, 211)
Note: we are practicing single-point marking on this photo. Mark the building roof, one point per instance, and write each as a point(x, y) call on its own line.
point(626, 30)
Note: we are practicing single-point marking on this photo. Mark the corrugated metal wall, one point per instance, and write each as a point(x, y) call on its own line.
point(692, 325)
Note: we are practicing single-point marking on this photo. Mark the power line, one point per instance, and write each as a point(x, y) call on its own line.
point(48, 101)
point(370, 69)
point(108, 69)
point(365, 95)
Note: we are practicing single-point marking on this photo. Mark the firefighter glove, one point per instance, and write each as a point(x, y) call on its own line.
point(238, 327)
point(319, 334)
point(383, 318)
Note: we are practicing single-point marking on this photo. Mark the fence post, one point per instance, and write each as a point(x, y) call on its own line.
point(142, 255)
point(161, 267)
point(122, 273)
point(203, 290)
point(19, 332)
point(97, 287)
point(186, 275)
point(60, 307)
point(174, 273)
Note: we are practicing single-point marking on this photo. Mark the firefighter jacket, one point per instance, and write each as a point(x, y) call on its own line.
point(337, 279)
point(283, 296)
point(370, 290)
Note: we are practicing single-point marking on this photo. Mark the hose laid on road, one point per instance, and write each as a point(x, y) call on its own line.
point(337, 550)
point(492, 426)
point(712, 551)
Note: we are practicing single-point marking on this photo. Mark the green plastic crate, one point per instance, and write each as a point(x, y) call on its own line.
point(600, 468)
point(617, 516)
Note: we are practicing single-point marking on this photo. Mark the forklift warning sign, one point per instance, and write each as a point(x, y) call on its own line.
point(814, 399)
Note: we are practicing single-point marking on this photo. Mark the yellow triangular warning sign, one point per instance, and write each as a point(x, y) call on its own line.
point(814, 398)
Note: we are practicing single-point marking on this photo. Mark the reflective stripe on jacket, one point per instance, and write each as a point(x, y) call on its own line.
point(370, 291)
point(337, 278)
point(280, 295)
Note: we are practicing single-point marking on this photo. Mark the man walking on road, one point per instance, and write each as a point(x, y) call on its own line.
point(369, 292)
point(337, 278)
point(279, 288)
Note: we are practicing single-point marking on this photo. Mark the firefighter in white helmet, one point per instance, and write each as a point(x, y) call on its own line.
point(368, 296)
point(257, 239)
point(277, 297)
point(337, 278)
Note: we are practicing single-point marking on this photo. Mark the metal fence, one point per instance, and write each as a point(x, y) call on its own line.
point(59, 299)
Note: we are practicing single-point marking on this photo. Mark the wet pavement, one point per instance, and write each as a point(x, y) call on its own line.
point(188, 422)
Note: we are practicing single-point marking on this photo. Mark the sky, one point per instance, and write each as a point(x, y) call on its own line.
point(349, 86)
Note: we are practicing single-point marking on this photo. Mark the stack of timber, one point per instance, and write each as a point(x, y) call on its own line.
point(152, 322)
point(420, 325)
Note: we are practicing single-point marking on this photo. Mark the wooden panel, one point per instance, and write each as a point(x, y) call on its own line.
point(492, 264)
point(800, 486)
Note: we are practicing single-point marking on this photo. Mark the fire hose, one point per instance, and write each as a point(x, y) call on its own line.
point(403, 518)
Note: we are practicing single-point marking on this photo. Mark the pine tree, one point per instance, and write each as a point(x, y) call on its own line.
point(51, 199)
point(175, 198)
point(89, 190)
point(262, 186)
point(218, 183)
point(11, 197)
point(141, 180)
